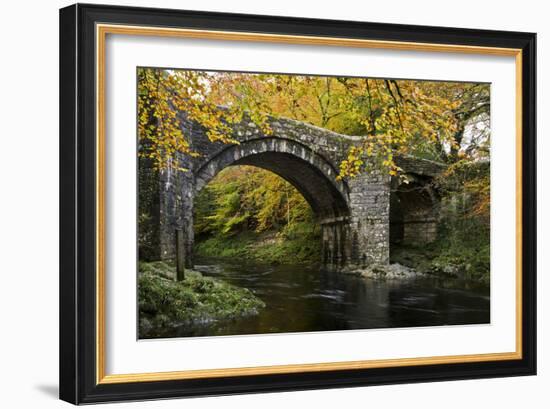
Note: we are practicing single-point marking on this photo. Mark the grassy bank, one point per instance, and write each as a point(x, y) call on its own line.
point(438, 259)
point(462, 248)
point(164, 302)
point(250, 213)
point(267, 247)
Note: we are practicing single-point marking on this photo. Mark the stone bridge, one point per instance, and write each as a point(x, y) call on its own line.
point(359, 217)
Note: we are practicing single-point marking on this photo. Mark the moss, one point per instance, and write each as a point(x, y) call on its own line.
point(164, 302)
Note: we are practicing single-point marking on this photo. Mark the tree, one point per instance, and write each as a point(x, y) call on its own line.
point(165, 94)
point(424, 118)
point(445, 121)
point(249, 198)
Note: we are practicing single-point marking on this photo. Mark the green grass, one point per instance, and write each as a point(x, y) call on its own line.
point(164, 302)
point(298, 246)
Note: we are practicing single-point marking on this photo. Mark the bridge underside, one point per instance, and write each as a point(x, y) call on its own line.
point(323, 196)
point(414, 213)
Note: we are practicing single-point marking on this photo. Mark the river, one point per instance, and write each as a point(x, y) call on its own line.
point(303, 299)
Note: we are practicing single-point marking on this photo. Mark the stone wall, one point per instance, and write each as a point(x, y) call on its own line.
point(414, 212)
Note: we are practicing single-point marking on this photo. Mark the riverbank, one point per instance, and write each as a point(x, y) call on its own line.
point(304, 298)
point(430, 261)
point(266, 247)
point(437, 261)
point(164, 302)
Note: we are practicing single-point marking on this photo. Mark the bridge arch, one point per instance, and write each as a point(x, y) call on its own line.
point(312, 175)
point(354, 215)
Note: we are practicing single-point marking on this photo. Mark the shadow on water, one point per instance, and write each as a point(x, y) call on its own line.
point(304, 299)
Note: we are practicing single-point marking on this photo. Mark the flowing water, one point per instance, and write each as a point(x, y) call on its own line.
point(303, 299)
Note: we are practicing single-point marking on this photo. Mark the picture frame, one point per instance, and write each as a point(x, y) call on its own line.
point(83, 218)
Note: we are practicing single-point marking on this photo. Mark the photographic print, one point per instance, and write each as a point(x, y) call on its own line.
point(276, 203)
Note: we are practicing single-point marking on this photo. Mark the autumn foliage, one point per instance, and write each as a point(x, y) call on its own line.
point(444, 121)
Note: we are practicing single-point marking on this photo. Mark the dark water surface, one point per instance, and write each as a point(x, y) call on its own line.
point(303, 299)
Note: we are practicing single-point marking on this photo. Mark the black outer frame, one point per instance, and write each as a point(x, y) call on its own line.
point(78, 210)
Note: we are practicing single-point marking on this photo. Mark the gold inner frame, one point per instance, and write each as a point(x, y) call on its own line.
point(101, 33)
